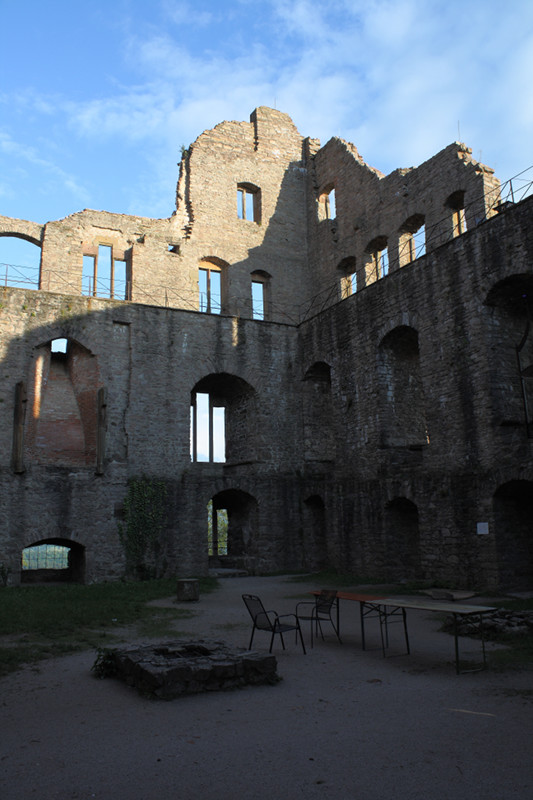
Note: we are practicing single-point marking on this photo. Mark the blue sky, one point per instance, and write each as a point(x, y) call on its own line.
point(97, 98)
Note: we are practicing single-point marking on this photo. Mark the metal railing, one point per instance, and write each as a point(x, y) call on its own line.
point(497, 200)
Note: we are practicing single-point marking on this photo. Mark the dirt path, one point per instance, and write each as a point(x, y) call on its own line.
point(342, 724)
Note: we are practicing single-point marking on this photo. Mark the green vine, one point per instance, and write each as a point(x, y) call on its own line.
point(140, 533)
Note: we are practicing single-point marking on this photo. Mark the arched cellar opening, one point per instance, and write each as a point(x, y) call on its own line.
point(314, 539)
point(53, 561)
point(513, 521)
point(232, 529)
point(401, 541)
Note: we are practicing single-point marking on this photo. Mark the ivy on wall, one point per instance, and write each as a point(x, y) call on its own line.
point(145, 514)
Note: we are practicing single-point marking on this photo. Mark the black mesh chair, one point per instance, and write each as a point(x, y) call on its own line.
point(318, 611)
point(271, 621)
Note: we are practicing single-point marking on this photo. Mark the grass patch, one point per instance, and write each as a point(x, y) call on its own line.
point(44, 621)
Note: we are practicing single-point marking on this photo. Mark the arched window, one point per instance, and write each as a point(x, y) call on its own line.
point(249, 202)
point(456, 202)
point(260, 294)
point(412, 239)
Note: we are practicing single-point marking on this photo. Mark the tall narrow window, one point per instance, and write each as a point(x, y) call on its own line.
point(260, 294)
point(217, 530)
point(208, 436)
point(348, 276)
point(104, 274)
point(331, 210)
point(377, 258)
point(258, 300)
point(248, 202)
point(326, 204)
point(456, 202)
point(88, 286)
point(412, 239)
point(210, 288)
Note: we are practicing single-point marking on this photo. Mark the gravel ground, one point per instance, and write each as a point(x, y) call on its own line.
point(342, 723)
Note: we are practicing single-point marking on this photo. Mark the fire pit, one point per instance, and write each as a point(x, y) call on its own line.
point(173, 669)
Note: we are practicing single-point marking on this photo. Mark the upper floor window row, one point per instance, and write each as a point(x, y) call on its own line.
point(249, 202)
point(412, 232)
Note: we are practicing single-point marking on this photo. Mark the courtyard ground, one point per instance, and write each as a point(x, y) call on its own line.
point(343, 723)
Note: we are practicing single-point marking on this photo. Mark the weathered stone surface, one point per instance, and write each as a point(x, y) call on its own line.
point(374, 422)
point(172, 669)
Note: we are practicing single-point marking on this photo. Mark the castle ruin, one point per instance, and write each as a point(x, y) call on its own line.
point(339, 360)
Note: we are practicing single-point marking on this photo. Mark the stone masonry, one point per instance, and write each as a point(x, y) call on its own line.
point(365, 337)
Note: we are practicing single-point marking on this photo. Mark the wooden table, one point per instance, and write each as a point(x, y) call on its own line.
point(386, 608)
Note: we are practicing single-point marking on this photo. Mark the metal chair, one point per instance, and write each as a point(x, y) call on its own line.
point(271, 621)
point(318, 611)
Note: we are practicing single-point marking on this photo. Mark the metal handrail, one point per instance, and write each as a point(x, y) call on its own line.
point(496, 200)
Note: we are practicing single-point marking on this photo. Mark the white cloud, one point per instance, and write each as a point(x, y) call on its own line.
point(393, 76)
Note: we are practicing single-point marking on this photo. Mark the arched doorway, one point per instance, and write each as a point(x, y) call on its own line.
point(513, 519)
point(232, 534)
point(401, 540)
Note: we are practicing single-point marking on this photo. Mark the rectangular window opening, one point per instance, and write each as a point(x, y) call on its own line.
point(215, 292)
point(104, 271)
point(202, 427)
point(119, 280)
point(88, 286)
point(208, 430)
point(202, 284)
point(258, 300)
point(219, 434)
point(331, 211)
point(383, 256)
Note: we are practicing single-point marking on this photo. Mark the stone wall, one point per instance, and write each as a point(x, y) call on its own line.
point(374, 424)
